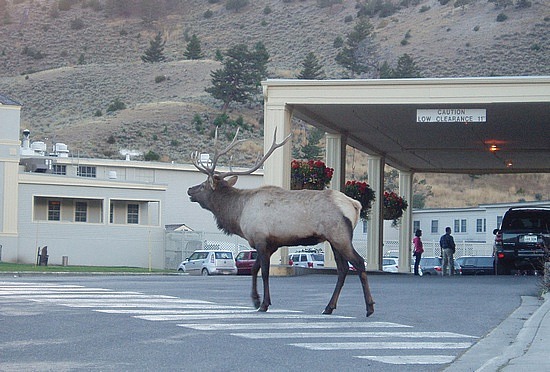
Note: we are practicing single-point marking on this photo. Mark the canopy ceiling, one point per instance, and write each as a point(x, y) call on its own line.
point(502, 124)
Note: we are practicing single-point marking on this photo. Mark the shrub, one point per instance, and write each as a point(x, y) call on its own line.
point(160, 78)
point(236, 5)
point(424, 8)
point(444, 2)
point(523, 4)
point(208, 14)
point(338, 42)
point(198, 123)
point(151, 156)
point(116, 105)
point(476, 28)
point(77, 24)
point(98, 113)
point(111, 140)
point(348, 19)
point(404, 42)
point(267, 10)
point(502, 17)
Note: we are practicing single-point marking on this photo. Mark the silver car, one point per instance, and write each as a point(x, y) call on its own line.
point(205, 263)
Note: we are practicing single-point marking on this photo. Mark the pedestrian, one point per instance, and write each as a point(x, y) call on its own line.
point(447, 244)
point(418, 250)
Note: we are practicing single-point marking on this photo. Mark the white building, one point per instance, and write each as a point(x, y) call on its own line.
point(115, 212)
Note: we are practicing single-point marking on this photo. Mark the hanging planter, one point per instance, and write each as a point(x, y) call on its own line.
point(310, 174)
point(393, 207)
point(362, 192)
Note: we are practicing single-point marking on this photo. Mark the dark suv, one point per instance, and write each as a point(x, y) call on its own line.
point(523, 240)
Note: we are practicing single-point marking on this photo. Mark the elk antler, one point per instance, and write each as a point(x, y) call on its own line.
point(259, 160)
point(210, 169)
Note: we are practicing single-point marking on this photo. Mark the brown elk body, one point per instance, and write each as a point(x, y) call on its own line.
point(270, 217)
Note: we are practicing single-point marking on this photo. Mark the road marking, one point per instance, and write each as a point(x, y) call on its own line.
point(382, 345)
point(257, 336)
point(84, 296)
point(298, 325)
point(409, 359)
point(248, 315)
point(198, 310)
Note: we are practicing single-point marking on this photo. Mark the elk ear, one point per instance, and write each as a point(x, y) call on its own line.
point(232, 181)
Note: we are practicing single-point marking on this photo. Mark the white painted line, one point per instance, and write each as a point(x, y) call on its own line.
point(383, 345)
point(84, 296)
point(318, 325)
point(55, 290)
point(248, 315)
point(409, 359)
point(257, 336)
point(213, 309)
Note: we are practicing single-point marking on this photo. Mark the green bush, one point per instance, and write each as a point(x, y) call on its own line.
point(267, 10)
point(151, 156)
point(424, 8)
point(502, 17)
point(98, 113)
point(208, 14)
point(116, 105)
point(77, 24)
point(476, 28)
point(160, 78)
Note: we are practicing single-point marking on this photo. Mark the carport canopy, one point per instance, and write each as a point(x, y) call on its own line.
point(450, 125)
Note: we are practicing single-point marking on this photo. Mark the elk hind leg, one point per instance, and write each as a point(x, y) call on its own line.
point(342, 269)
point(358, 262)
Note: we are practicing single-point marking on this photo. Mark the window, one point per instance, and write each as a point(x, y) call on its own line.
point(460, 226)
point(54, 210)
point(365, 227)
point(80, 211)
point(416, 226)
point(85, 171)
point(481, 225)
point(111, 213)
point(435, 226)
point(133, 213)
point(59, 169)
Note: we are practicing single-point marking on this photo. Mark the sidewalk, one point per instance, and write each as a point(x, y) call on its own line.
point(516, 344)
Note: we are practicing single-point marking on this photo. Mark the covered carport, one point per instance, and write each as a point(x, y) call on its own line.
point(459, 125)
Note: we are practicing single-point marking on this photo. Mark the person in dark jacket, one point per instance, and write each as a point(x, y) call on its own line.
point(447, 244)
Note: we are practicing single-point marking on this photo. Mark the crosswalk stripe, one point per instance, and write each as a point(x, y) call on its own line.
point(247, 315)
point(257, 336)
point(297, 325)
point(124, 296)
point(409, 359)
point(212, 309)
point(382, 345)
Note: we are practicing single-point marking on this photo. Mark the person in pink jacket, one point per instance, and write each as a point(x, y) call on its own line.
point(418, 250)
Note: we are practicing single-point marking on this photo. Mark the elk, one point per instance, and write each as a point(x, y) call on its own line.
point(270, 217)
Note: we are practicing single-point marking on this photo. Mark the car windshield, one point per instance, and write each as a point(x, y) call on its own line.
point(318, 257)
point(224, 255)
point(527, 221)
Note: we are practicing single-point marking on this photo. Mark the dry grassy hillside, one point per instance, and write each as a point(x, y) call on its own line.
point(39, 67)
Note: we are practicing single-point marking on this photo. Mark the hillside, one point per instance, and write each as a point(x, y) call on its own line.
point(40, 50)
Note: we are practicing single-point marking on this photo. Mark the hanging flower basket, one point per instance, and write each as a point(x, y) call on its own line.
point(310, 174)
point(362, 192)
point(393, 207)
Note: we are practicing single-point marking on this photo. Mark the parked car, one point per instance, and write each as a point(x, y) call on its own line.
point(244, 261)
point(203, 262)
point(390, 264)
point(523, 240)
point(306, 259)
point(476, 265)
point(434, 266)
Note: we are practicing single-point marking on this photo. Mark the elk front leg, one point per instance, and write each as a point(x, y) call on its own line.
point(255, 296)
point(342, 269)
point(264, 263)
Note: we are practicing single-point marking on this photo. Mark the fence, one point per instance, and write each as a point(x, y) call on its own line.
point(180, 244)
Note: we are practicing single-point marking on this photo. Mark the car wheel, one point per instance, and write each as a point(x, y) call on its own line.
point(204, 272)
point(180, 270)
point(503, 269)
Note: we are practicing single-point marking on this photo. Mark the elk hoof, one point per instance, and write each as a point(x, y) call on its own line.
point(328, 310)
point(256, 302)
point(263, 308)
point(370, 309)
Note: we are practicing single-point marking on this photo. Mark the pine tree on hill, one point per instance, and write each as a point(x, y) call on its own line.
point(311, 69)
point(193, 50)
point(406, 68)
point(155, 51)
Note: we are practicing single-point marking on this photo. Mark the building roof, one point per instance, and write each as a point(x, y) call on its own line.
point(7, 101)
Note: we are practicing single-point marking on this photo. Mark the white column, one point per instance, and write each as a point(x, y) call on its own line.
point(335, 158)
point(277, 166)
point(375, 230)
point(405, 228)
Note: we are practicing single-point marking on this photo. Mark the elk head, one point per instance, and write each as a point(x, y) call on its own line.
point(216, 181)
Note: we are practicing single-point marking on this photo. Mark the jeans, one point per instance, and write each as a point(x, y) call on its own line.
point(417, 263)
point(448, 261)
